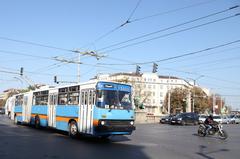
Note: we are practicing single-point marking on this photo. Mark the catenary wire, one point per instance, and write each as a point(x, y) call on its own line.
point(172, 33)
point(168, 28)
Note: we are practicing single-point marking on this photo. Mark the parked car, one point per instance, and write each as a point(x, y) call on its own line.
point(2, 111)
point(225, 120)
point(185, 118)
point(234, 119)
point(217, 118)
point(202, 118)
point(167, 119)
point(237, 120)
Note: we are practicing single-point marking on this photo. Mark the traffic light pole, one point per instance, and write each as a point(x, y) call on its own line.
point(78, 75)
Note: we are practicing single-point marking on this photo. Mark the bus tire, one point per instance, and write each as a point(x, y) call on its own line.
point(73, 129)
point(37, 122)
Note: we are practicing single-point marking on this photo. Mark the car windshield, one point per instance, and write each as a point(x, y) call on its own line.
point(216, 117)
point(112, 99)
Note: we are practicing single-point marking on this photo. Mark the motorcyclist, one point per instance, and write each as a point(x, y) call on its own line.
point(209, 123)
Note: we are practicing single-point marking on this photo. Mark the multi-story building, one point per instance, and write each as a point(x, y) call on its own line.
point(150, 88)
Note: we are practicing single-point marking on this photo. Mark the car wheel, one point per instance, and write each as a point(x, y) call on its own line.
point(183, 123)
point(195, 123)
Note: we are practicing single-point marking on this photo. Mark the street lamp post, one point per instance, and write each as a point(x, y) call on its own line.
point(194, 83)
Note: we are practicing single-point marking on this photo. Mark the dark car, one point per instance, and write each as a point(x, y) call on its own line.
point(167, 119)
point(2, 111)
point(185, 118)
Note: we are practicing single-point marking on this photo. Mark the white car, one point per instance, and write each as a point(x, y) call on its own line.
point(225, 120)
point(237, 119)
point(217, 118)
point(202, 118)
point(234, 119)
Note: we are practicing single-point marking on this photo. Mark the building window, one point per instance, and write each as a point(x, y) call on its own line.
point(149, 86)
point(161, 86)
point(153, 93)
point(161, 94)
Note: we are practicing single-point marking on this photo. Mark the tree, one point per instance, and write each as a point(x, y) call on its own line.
point(178, 100)
point(200, 98)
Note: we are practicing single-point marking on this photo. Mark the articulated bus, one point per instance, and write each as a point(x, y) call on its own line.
point(94, 108)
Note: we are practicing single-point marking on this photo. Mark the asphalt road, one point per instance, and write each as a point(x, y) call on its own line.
point(149, 141)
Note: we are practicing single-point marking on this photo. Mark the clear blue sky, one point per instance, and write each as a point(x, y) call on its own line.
point(76, 24)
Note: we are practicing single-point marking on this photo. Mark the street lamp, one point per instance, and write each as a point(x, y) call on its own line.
point(194, 83)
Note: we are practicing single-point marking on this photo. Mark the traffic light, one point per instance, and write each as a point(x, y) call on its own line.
point(55, 79)
point(155, 67)
point(21, 71)
point(138, 69)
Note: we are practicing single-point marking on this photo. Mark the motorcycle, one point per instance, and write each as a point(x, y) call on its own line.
point(217, 128)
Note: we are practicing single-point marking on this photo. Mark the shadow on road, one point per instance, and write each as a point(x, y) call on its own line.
point(205, 152)
point(28, 142)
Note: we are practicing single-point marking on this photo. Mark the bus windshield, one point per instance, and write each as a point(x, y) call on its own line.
point(112, 99)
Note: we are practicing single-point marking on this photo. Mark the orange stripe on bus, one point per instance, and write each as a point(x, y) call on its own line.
point(18, 114)
point(58, 118)
point(66, 119)
point(95, 122)
point(41, 116)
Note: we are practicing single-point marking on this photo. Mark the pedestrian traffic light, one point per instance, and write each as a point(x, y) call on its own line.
point(155, 67)
point(21, 71)
point(138, 69)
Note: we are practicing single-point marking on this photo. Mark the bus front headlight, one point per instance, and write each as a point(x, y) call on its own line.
point(131, 122)
point(102, 122)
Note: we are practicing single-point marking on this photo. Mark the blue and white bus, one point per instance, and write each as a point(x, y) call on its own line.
point(94, 108)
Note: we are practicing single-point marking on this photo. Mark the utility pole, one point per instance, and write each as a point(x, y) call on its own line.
point(213, 104)
point(78, 79)
point(193, 96)
point(169, 94)
point(78, 62)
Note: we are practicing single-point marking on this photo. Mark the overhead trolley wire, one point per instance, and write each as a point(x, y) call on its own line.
point(179, 56)
point(168, 34)
point(120, 26)
point(171, 11)
point(150, 16)
point(165, 29)
point(34, 44)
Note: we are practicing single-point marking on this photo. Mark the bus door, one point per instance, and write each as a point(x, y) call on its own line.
point(27, 105)
point(24, 108)
point(52, 109)
point(86, 111)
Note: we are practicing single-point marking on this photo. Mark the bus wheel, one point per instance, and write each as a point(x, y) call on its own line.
point(73, 130)
point(37, 122)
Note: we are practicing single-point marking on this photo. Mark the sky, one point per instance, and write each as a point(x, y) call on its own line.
point(194, 40)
